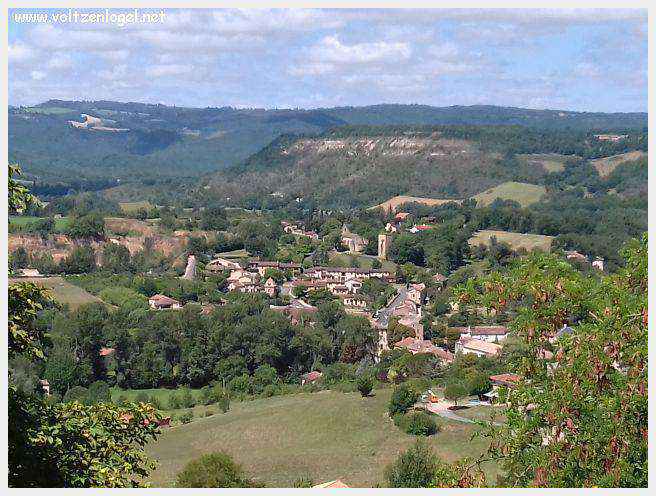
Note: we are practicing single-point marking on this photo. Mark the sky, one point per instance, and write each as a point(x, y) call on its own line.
point(585, 60)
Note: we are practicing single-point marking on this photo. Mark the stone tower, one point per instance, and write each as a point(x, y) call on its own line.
point(383, 245)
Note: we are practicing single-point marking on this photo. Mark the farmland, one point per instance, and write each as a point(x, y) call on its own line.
point(324, 436)
point(24, 221)
point(393, 203)
point(523, 193)
point(550, 162)
point(132, 207)
point(62, 291)
point(607, 165)
point(515, 240)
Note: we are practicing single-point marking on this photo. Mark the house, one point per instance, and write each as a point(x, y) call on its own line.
point(421, 227)
point(413, 322)
point(296, 310)
point(416, 293)
point(105, 352)
point(611, 137)
point(418, 346)
point(353, 242)
point(344, 273)
point(354, 301)
point(491, 334)
point(401, 216)
point(508, 381)
point(478, 347)
point(29, 273)
point(262, 266)
point(391, 227)
point(353, 285)
point(310, 377)
point(598, 264)
point(162, 302)
point(575, 255)
point(219, 264)
point(439, 278)
point(330, 485)
point(270, 287)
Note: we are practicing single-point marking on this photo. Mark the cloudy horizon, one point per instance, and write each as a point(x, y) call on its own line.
point(579, 60)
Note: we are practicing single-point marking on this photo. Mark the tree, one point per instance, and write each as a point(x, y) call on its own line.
point(18, 259)
point(403, 398)
point(116, 258)
point(455, 391)
point(91, 225)
point(582, 421)
point(81, 260)
point(365, 384)
point(213, 218)
point(479, 383)
point(213, 470)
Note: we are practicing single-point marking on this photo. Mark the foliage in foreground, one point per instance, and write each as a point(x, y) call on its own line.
point(579, 419)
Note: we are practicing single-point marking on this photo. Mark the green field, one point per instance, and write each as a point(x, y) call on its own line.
point(132, 207)
point(25, 221)
point(48, 110)
point(523, 193)
point(234, 254)
point(324, 436)
point(550, 162)
point(515, 240)
point(62, 291)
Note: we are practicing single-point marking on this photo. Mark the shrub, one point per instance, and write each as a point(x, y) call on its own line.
point(187, 399)
point(413, 468)
point(270, 390)
point(402, 399)
point(141, 397)
point(76, 393)
point(416, 423)
point(98, 392)
point(241, 384)
point(174, 401)
point(213, 470)
point(305, 481)
point(365, 385)
point(186, 417)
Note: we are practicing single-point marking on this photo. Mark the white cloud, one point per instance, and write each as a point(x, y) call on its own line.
point(166, 70)
point(37, 75)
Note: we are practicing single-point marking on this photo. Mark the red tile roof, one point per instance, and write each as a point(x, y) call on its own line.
point(106, 351)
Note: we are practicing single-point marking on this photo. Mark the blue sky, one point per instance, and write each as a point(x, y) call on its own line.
point(591, 60)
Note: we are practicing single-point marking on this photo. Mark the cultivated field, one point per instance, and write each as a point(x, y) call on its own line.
point(607, 165)
point(62, 291)
point(393, 203)
point(523, 193)
point(234, 254)
point(515, 240)
point(550, 162)
point(324, 436)
point(131, 207)
point(25, 220)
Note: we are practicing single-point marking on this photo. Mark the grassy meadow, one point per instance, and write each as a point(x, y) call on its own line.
point(323, 436)
point(515, 240)
point(523, 193)
point(62, 291)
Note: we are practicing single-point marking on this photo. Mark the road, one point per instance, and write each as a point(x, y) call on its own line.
point(442, 409)
point(383, 315)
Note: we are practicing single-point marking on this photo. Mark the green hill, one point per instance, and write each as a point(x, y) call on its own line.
point(324, 436)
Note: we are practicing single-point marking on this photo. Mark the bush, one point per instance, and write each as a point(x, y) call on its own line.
point(186, 417)
point(413, 468)
point(187, 399)
point(213, 470)
point(76, 393)
point(141, 397)
point(98, 392)
point(403, 398)
point(365, 385)
point(303, 482)
point(270, 390)
point(174, 401)
point(241, 384)
point(416, 423)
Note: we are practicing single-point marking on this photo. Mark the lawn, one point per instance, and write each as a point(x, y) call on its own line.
point(324, 436)
point(515, 240)
point(62, 291)
point(25, 220)
point(523, 193)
